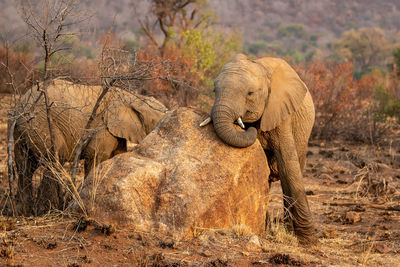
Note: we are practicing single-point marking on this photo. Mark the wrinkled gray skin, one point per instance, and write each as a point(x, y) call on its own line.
point(277, 108)
point(120, 118)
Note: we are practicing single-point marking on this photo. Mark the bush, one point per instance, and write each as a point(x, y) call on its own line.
point(396, 55)
point(293, 30)
point(172, 81)
point(387, 98)
point(388, 105)
point(345, 106)
point(15, 69)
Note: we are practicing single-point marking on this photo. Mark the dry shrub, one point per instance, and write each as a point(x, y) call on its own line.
point(81, 71)
point(174, 83)
point(344, 105)
point(374, 183)
point(15, 71)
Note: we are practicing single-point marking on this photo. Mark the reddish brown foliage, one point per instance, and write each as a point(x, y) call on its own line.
point(15, 71)
point(344, 105)
point(173, 81)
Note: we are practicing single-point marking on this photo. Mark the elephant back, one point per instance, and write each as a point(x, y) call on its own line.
point(71, 106)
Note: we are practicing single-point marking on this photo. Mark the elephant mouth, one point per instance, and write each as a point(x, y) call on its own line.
point(224, 121)
point(250, 117)
point(255, 124)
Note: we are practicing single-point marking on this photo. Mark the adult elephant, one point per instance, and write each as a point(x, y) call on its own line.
point(276, 107)
point(121, 117)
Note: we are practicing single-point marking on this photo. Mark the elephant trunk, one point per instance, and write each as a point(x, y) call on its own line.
point(223, 118)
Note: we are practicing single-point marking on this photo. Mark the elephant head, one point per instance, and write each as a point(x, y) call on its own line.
point(266, 90)
point(132, 117)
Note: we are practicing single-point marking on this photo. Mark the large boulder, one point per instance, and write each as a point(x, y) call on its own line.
point(179, 179)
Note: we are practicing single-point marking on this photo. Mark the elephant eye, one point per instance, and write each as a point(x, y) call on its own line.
point(250, 93)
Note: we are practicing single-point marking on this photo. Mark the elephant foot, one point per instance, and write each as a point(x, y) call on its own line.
point(307, 241)
point(306, 236)
point(305, 233)
point(49, 196)
point(24, 208)
point(24, 203)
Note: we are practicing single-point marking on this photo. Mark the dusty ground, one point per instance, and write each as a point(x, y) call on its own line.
point(354, 193)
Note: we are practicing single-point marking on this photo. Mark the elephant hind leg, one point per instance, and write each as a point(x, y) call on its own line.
point(26, 163)
point(273, 166)
point(50, 193)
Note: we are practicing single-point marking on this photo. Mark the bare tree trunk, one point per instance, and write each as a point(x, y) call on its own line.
point(84, 139)
point(11, 176)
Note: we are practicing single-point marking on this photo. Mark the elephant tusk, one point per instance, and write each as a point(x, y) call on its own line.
point(240, 122)
point(205, 122)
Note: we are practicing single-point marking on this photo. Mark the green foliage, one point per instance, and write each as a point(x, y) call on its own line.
point(209, 50)
point(74, 48)
point(365, 47)
point(199, 49)
point(23, 48)
point(82, 50)
point(296, 56)
point(130, 45)
point(225, 45)
point(56, 61)
point(298, 31)
point(358, 74)
point(291, 40)
point(388, 105)
point(258, 47)
point(396, 55)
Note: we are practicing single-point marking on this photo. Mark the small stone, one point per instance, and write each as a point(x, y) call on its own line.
point(324, 169)
point(245, 253)
point(325, 176)
point(352, 217)
point(382, 248)
point(359, 208)
point(346, 166)
point(206, 253)
point(329, 233)
point(326, 153)
point(254, 243)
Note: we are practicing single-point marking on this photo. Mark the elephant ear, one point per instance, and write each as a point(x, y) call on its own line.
point(124, 122)
point(287, 92)
point(150, 110)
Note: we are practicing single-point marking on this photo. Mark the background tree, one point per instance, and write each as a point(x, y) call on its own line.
point(184, 33)
point(366, 48)
point(172, 17)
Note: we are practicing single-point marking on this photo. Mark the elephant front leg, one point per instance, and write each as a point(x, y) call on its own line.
point(295, 199)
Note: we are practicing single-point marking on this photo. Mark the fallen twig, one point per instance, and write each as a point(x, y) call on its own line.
point(369, 205)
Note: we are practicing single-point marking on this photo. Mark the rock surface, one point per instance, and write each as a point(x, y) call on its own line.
point(181, 179)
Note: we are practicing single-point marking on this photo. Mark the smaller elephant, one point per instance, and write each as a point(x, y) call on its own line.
point(267, 98)
point(121, 117)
